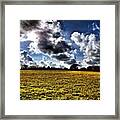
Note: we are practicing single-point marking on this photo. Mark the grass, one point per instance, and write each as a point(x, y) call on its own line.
point(59, 85)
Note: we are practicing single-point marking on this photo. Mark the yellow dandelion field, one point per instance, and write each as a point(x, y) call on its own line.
point(59, 85)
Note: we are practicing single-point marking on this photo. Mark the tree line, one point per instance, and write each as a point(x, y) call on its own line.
point(73, 67)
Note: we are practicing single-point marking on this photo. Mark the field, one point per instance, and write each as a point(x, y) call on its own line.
point(59, 85)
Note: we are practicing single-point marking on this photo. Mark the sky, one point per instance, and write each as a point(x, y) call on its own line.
point(60, 43)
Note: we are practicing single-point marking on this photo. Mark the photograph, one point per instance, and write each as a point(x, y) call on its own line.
point(59, 59)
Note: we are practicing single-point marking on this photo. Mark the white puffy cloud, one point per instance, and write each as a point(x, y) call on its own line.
point(82, 36)
point(76, 37)
point(33, 48)
point(91, 37)
point(89, 46)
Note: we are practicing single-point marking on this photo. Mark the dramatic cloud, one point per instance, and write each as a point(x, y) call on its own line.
point(28, 25)
point(46, 37)
point(33, 48)
point(26, 59)
point(89, 46)
point(62, 57)
point(72, 61)
point(76, 38)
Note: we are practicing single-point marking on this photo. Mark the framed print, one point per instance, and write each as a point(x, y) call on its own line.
point(59, 60)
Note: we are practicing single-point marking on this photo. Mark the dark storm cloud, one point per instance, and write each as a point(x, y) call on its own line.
point(61, 47)
point(45, 34)
point(44, 44)
point(27, 25)
point(62, 57)
point(47, 46)
point(56, 35)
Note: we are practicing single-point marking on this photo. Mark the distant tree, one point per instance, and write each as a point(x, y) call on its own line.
point(83, 69)
point(65, 68)
point(74, 66)
point(48, 67)
point(93, 68)
point(90, 68)
point(24, 67)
